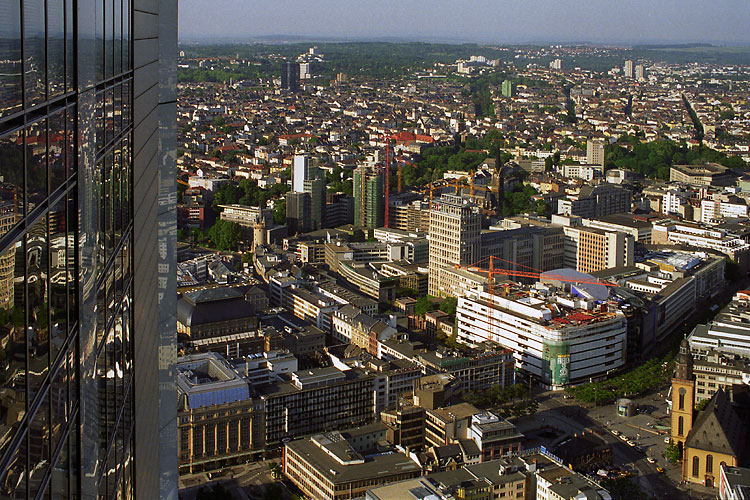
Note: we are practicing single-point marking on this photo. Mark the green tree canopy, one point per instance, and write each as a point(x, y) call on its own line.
point(225, 235)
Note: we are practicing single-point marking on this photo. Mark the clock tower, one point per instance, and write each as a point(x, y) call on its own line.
point(683, 395)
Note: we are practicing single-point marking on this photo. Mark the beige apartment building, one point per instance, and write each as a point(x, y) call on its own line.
point(455, 226)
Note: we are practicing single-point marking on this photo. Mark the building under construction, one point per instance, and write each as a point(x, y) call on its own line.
point(369, 196)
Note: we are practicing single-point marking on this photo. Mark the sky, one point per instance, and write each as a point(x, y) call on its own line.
point(483, 21)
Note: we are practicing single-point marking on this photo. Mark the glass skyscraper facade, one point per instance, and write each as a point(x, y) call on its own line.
point(85, 213)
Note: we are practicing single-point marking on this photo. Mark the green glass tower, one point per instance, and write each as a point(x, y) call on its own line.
point(369, 197)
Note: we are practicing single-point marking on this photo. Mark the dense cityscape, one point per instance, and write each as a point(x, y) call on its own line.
point(351, 251)
point(397, 280)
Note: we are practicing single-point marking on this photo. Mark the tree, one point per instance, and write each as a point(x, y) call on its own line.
point(448, 305)
point(422, 306)
point(673, 452)
point(275, 470)
point(279, 212)
point(570, 109)
point(217, 492)
point(225, 235)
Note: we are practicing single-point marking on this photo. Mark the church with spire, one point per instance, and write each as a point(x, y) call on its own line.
point(709, 438)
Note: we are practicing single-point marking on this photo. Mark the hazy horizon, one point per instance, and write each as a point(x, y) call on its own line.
point(477, 21)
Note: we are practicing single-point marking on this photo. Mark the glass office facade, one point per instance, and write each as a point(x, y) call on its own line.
point(66, 249)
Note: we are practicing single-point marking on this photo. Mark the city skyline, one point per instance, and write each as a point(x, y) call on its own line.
point(540, 21)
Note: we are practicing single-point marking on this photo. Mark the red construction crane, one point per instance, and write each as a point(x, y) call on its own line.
point(387, 178)
point(492, 271)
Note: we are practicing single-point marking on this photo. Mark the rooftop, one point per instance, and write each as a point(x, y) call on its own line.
point(333, 459)
point(206, 379)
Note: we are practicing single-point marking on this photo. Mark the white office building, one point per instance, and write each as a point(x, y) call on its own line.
point(557, 337)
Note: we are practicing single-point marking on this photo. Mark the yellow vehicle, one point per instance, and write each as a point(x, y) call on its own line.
point(660, 470)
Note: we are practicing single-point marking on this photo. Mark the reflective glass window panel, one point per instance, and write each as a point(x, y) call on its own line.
point(74, 460)
point(39, 447)
point(70, 253)
point(117, 37)
point(126, 102)
point(99, 41)
point(13, 481)
point(99, 117)
point(58, 277)
point(117, 110)
point(109, 24)
point(126, 172)
point(100, 190)
point(118, 274)
point(60, 472)
point(56, 47)
point(10, 63)
point(101, 378)
point(117, 195)
point(56, 152)
point(101, 314)
point(108, 206)
point(117, 360)
point(70, 67)
point(70, 142)
point(11, 189)
point(110, 284)
point(35, 79)
point(127, 340)
point(126, 35)
point(37, 312)
point(13, 354)
point(36, 164)
point(72, 375)
point(109, 119)
point(59, 408)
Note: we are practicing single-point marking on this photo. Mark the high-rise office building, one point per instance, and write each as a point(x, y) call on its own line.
point(455, 226)
point(87, 249)
point(300, 170)
point(304, 71)
point(628, 69)
point(595, 152)
point(307, 178)
point(298, 212)
point(507, 88)
point(368, 184)
point(316, 186)
point(640, 73)
point(290, 76)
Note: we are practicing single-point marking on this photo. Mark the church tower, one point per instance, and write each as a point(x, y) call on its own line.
point(683, 395)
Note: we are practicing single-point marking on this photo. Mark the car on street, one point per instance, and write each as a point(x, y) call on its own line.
point(650, 460)
point(666, 440)
point(660, 470)
point(631, 443)
point(638, 448)
point(615, 432)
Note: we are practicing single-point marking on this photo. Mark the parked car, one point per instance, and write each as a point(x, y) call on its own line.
point(650, 460)
point(615, 432)
point(660, 470)
point(666, 440)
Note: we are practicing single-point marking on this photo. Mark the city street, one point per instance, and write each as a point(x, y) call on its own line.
point(245, 482)
point(568, 417)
